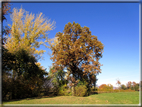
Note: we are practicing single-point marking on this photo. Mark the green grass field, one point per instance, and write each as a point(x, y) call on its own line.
point(103, 98)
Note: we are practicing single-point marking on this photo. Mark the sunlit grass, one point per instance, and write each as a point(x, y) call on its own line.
point(103, 98)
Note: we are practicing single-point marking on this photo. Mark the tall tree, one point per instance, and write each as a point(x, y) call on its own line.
point(27, 30)
point(129, 84)
point(21, 74)
point(6, 9)
point(6, 66)
point(118, 83)
point(77, 50)
point(19, 54)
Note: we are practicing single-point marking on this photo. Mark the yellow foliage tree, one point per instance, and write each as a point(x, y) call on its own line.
point(20, 51)
point(27, 30)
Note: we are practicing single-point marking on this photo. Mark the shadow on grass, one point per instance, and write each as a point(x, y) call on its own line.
point(49, 96)
point(30, 98)
point(95, 93)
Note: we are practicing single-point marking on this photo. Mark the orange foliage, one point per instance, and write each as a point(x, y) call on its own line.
point(77, 50)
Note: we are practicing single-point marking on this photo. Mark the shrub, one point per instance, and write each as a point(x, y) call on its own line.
point(82, 83)
point(106, 88)
point(92, 89)
point(70, 94)
point(116, 90)
point(81, 90)
point(136, 88)
point(55, 90)
point(61, 92)
point(96, 89)
point(128, 90)
point(123, 87)
point(64, 90)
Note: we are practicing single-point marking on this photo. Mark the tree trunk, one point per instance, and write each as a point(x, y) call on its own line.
point(73, 87)
point(73, 90)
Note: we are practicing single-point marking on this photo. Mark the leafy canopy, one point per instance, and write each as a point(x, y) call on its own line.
point(77, 50)
point(27, 30)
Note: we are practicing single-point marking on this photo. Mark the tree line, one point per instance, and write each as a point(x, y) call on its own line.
point(75, 50)
point(129, 86)
point(75, 55)
point(22, 74)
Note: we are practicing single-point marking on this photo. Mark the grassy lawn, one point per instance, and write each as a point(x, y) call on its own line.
point(103, 98)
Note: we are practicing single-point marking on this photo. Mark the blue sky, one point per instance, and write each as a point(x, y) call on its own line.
point(115, 24)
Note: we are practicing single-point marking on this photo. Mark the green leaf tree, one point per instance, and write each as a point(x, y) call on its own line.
point(123, 87)
point(58, 78)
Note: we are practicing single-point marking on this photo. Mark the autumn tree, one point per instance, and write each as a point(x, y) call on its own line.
point(129, 84)
point(137, 87)
point(118, 83)
point(6, 66)
point(134, 86)
point(106, 87)
point(28, 31)
point(21, 50)
point(78, 51)
point(6, 9)
point(23, 79)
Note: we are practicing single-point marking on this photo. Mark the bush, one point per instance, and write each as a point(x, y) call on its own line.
point(81, 90)
point(96, 89)
point(106, 88)
point(61, 92)
point(127, 90)
point(116, 90)
point(136, 88)
point(123, 87)
point(64, 90)
point(92, 89)
point(70, 94)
